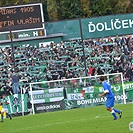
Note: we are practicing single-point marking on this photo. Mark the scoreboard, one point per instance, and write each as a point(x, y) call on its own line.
point(22, 35)
point(21, 18)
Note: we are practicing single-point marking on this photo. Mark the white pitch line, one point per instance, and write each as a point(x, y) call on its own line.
point(49, 124)
point(62, 122)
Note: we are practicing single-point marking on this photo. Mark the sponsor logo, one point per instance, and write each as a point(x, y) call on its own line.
point(77, 96)
point(131, 126)
point(128, 86)
point(120, 97)
point(101, 89)
point(98, 100)
point(89, 89)
point(47, 95)
point(117, 88)
point(54, 106)
point(90, 101)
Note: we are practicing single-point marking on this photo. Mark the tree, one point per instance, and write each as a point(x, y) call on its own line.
point(100, 7)
point(119, 6)
point(130, 6)
point(85, 7)
point(7, 2)
point(71, 9)
point(44, 2)
point(52, 10)
point(109, 7)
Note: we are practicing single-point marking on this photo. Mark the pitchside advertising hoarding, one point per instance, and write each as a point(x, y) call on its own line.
point(49, 107)
point(48, 95)
point(54, 100)
point(89, 97)
point(48, 99)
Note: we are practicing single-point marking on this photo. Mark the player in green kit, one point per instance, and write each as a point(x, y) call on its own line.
point(4, 102)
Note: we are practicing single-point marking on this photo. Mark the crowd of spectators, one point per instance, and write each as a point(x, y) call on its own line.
point(65, 60)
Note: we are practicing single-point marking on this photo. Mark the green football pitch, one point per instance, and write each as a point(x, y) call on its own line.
point(85, 120)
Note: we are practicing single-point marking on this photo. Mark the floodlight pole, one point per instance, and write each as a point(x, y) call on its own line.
point(82, 42)
point(13, 58)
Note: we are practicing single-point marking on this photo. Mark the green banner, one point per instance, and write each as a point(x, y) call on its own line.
point(49, 95)
point(103, 26)
point(128, 86)
point(88, 96)
point(70, 28)
point(18, 103)
point(107, 26)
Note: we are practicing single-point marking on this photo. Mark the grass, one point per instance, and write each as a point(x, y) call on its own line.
point(83, 120)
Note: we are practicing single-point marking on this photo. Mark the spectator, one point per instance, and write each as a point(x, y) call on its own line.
point(131, 72)
point(65, 60)
point(1, 90)
point(15, 81)
point(8, 90)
